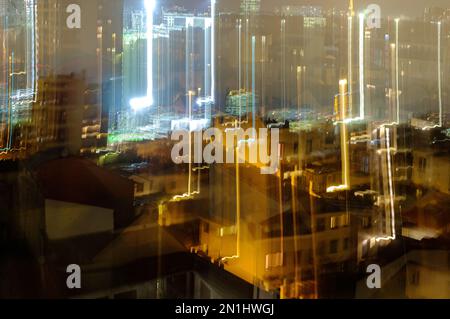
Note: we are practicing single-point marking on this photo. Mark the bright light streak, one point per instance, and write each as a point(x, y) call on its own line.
point(361, 66)
point(391, 189)
point(439, 73)
point(240, 68)
point(31, 42)
point(350, 64)
point(344, 144)
point(238, 213)
point(338, 188)
point(397, 95)
point(185, 196)
point(253, 81)
point(213, 49)
point(439, 24)
point(141, 103)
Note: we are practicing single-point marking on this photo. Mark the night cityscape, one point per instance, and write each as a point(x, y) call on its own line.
point(224, 149)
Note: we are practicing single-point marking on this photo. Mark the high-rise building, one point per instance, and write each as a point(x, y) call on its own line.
point(181, 46)
point(57, 115)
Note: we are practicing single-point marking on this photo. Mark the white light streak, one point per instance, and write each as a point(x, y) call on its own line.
point(397, 95)
point(391, 189)
point(439, 73)
point(361, 67)
point(213, 49)
point(141, 103)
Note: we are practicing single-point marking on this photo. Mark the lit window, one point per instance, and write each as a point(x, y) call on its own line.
point(333, 222)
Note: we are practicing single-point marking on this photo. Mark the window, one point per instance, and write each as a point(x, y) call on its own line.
point(346, 243)
point(333, 222)
point(274, 260)
point(139, 187)
point(322, 248)
point(414, 278)
point(320, 224)
point(345, 220)
point(334, 246)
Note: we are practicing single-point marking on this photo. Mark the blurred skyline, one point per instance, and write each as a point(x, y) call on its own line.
point(415, 8)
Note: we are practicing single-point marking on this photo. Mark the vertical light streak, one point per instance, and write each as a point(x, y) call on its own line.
point(99, 63)
point(390, 215)
point(113, 56)
point(312, 199)
point(37, 40)
point(10, 91)
point(238, 205)
point(391, 186)
point(190, 93)
point(283, 66)
point(345, 163)
point(280, 207)
point(149, 9)
point(246, 59)
point(240, 70)
point(391, 91)
point(198, 179)
point(147, 101)
point(238, 210)
point(350, 63)
point(263, 61)
point(187, 56)
point(299, 89)
point(344, 144)
point(6, 71)
point(253, 82)
point(439, 24)
point(213, 49)
point(207, 59)
point(397, 93)
point(439, 73)
point(31, 58)
point(361, 67)
point(351, 8)
point(294, 220)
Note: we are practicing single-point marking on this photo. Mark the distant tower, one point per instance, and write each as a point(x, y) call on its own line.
point(250, 6)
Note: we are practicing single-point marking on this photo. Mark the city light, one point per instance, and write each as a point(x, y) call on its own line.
point(140, 103)
point(361, 67)
point(224, 149)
